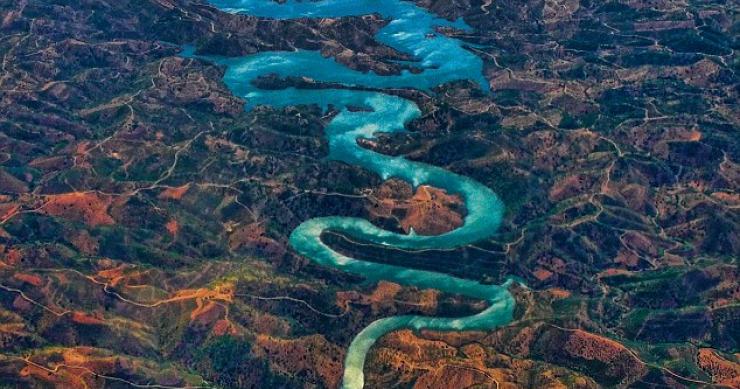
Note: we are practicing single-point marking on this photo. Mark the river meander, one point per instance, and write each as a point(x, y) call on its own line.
point(443, 59)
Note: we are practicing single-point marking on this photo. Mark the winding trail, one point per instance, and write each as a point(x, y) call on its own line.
point(411, 30)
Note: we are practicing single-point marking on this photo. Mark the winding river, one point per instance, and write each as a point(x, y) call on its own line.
point(443, 59)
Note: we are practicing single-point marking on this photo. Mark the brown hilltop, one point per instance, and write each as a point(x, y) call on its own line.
point(174, 193)
point(31, 279)
point(439, 360)
point(604, 359)
point(722, 371)
point(428, 211)
point(388, 297)
point(89, 367)
point(88, 207)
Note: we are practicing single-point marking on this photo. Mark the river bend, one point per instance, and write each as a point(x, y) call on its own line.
point(411, 30)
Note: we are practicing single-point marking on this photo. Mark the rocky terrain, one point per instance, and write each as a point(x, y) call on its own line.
point(144, 215)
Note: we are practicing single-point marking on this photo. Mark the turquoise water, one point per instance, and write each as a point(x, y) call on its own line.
point(443, 59)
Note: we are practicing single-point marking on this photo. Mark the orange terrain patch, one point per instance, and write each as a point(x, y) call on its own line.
point(86, 319)
point(172, 227)
point(694, 136)
point(89, 208)
point(8, 210)
point(432, 212)
point(72, 367)
point(591, 347)
point(224, 327)
point(558, 293)
point(406, 353)
point(428, 211)
point(723, 372)
point(206, 312)
point(14, 257)
point(29, 278)
point(542, 274)
point(175, 193)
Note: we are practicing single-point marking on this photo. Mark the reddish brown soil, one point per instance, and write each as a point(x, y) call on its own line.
point(89, 208)
point(429, 211)
point(723, 372)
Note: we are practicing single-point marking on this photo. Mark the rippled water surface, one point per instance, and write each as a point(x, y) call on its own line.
point(443, 59)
